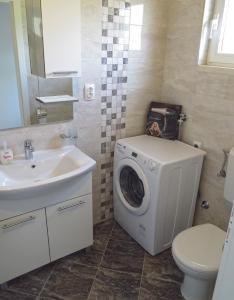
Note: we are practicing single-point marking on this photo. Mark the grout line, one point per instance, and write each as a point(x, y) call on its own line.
point(85, 265)
point(109, 237)
point(141, 276)
point(52, 270)
point(98, 267)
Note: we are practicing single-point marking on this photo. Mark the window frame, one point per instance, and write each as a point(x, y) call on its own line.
point(214, 58)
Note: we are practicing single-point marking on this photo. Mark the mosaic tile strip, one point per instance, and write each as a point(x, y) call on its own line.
point(114, 60)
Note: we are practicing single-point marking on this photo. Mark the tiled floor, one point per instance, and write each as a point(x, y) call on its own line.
point(115, 267)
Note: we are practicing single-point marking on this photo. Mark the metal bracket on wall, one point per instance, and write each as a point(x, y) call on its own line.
point(205, 204)
point(222, 172)
point(181, 120)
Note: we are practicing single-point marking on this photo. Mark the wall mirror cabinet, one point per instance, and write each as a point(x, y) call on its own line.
point(39, 61)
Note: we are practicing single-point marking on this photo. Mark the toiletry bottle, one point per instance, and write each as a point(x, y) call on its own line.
point(6, 154)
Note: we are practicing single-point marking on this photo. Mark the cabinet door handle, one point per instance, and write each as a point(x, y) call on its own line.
point(62, 208)
point(64, 73)
point(14, 224)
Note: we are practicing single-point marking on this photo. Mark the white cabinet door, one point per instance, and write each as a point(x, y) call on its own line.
point(54, 35)
point(61, 36)
point(23, 244)
point(70, 226)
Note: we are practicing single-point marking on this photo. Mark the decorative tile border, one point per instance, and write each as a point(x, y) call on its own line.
point(114, 60)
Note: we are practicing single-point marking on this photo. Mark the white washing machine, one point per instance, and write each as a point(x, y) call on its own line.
point(155, 189)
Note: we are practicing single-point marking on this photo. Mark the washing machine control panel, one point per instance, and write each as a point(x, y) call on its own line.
point(128, 152)
point(141, 159)
point(120, 148)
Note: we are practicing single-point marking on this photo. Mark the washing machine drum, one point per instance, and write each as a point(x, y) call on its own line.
point(132, 187)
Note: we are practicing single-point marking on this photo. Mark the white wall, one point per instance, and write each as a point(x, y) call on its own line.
point(9, 94)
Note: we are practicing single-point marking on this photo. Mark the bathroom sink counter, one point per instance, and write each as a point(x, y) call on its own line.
point(52, 176)
point(46, 167)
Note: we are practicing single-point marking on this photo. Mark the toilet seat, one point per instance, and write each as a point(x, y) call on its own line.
point(199, 249)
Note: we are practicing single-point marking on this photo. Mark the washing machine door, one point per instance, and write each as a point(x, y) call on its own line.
point(132, 186)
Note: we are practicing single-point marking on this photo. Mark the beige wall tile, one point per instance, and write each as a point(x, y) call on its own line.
point(207, 99)
point(145, 68)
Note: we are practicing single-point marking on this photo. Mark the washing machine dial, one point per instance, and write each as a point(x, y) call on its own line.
point(121, 148)
point(152, 165)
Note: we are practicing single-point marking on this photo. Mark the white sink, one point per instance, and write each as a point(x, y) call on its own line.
point(46, 168)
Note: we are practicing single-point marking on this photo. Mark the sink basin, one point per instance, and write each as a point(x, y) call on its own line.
point(46, 168)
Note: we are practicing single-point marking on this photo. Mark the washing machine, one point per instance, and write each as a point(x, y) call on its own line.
point(155, 189)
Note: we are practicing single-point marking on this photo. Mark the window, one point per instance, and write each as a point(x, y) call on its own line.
point(221, 45)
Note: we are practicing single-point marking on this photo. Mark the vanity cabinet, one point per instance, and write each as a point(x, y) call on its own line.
point(31, 240)
point(54, 37)
point(23, 244)
point(69, 226)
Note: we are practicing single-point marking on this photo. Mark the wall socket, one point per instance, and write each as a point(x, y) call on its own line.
point(89, 91)
point(197, 144)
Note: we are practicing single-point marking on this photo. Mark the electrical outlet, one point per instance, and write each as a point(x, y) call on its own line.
point(197, 144)
point(89, 91)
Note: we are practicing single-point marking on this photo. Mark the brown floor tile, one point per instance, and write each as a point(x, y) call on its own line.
point(123, 256)
point(47, 298)
point(118, 233)
point(89, 257)
point(159, 290)
point(101, 235)
point(115, 285)
point(32, 282)
point(100, 243)
point(12, 295)
point(52, 298)
point(162, 266)
point(104, 228)
point(69, 281)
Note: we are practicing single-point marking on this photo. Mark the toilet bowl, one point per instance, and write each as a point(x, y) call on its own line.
point(197, 252)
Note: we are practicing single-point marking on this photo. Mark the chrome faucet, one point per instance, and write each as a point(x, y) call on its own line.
point(28, 149)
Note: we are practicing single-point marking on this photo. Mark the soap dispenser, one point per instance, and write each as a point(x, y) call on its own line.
point(6, 154)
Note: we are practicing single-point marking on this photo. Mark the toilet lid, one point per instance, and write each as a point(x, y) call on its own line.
point(200, 247)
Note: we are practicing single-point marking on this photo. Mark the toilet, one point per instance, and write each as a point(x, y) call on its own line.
point(197, 252)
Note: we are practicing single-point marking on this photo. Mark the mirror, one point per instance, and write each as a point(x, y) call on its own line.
point(20, 91)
